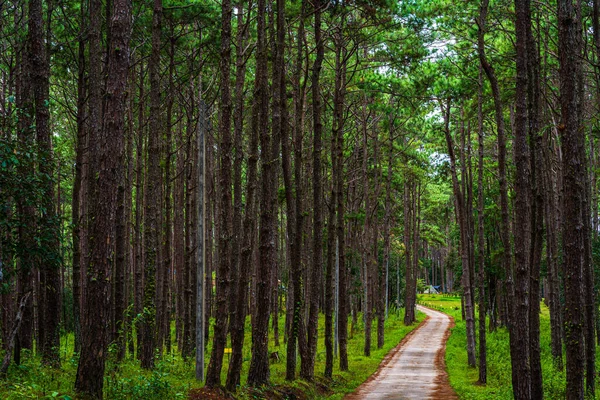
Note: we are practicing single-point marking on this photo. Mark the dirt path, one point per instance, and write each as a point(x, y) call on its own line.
point(416, 369)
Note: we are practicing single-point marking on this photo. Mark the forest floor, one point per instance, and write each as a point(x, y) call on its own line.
point(416, 368)
point(173, 377)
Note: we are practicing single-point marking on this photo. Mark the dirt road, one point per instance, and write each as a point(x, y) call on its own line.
point(416, 369)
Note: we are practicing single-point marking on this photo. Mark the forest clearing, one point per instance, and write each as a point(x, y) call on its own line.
point(299, 199)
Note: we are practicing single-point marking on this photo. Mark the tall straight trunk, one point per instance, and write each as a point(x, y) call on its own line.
point(572, 140)
point(340, 234)
point(499, 119)
point(188, 337)
point(164, 327)
point(139, 207)
point(409, 306)
point(25, 209)
point(90, 370)
point(178, 234)
point(259, 366)
point(537, 208)
point(308, 367)
point(520, 354)
point(552, 254)
point(330, 274)
point(591, 225)
point(77, 217)
point(129, 253)
point(200, 309)
point(107, 165)
point(588, 293)
point(152, 208)
point(386, 234)
point(119, 270)
point(213, 376)
point(238, 128)
point(244, 235)
point(367, 256)
point(481, 238)
point(293, 207)
point(462, 221)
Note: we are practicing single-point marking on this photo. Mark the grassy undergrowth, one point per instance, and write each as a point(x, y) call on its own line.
point(173, 376)
point(464, 379)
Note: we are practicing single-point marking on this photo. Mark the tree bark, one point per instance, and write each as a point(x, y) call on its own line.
point(572, 140)
point(152, 207)
point(258, 374)
point(481, 238)
point(213, 376)
point(106, 165)
point(308, 367)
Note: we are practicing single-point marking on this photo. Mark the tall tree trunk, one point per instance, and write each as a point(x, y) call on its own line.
point(409, 306)
point(249, 231)
point(139, 215)
point(294, 209)
point(259, 366)
point(572, 140)
point(25, 209)
point(481, 237)
point(537, 208)
point(49, 223)
point(308, 367)
point(462, 221)
point(238, 128)
point(213, 376)
point(499, 119)
point(78, 218)
point(340, 235)
point(106, 162)
point(520, 354)
point(552, 255)
point(152, 208)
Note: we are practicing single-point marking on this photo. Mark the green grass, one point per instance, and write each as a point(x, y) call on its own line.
point(464, 379)
point(173, 376)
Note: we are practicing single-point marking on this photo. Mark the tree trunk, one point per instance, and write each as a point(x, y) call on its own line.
point(481, 237)
point(462, 221)
point(213, 376)
point(308, 367)
point(520, 354)
point(258, 374)
point(572, 140)
point(294, 209)
point(106, 165)
point(152, 208)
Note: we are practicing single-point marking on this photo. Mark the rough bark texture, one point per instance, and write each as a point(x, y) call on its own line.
point(213, 377)
point(521, 372)
point(572, 140)
point(462, 221)
point(152, 206)
point(537, 208)
point(294, 209)
point(48, 225)
point(259, 366)
point(106, 145)
point(308, 367)
point(503, 184)
point(481, 239)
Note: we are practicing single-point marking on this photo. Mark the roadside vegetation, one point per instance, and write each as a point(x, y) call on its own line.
point(463, 378)
point(173, 377)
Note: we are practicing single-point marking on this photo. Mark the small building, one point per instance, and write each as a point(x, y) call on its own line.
point(431, 290)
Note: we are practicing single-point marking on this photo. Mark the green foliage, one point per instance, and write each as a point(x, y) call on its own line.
point(173, 377)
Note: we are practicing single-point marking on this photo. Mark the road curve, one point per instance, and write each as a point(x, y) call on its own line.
point(416, 370)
